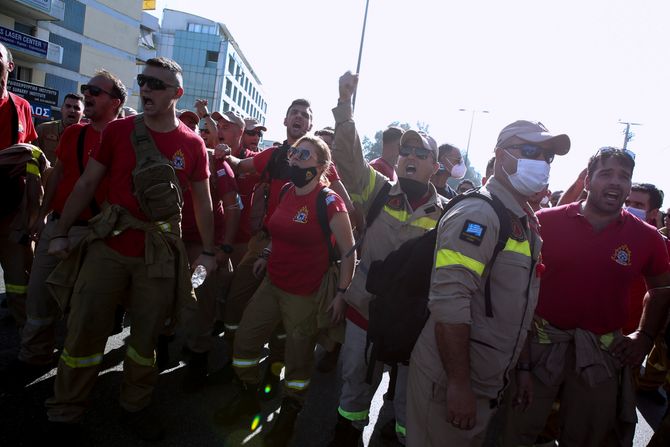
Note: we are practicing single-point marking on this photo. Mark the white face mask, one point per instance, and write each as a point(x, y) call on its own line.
point(544, 201)
point(531, 176)
point(637, 212)
point(458, 171)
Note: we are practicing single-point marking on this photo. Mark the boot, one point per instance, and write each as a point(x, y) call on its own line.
point(282, 430)
point(346, 435)
point(244, 406)
point(329, 361)
point(163, 352)
point(270, 383)
point(196, 373)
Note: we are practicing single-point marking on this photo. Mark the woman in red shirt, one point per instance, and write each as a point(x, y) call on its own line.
point(297, 262)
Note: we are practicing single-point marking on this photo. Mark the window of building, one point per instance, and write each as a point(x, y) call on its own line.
point(24, 74)
point(226, 106)
point(231, 65)
point(229, 87)
point(234, 94)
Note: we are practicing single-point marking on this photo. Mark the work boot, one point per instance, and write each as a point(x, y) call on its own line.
point(270, 382)
point(346, 435)
point(163, 352)
point(388, 430)
point(145, 424)
point(282, 430)
point(196, 373)
point(244, 406)
point(329, 361)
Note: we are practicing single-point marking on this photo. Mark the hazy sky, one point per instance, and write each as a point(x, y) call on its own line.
point(577, 66)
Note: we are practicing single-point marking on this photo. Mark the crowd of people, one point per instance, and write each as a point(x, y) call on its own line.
point(539, 312)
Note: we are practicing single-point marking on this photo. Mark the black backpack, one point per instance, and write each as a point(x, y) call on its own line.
point(401, 283)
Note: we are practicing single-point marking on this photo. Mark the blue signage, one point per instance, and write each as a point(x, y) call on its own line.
point(23, 41)
point(40, 111)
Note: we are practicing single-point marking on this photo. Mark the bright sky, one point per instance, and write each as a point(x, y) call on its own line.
point(577, 66)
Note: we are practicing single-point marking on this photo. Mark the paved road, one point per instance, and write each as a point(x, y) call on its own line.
point(189, 416)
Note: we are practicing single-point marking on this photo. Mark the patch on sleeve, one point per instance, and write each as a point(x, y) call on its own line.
point(221, 172)
point(473, 232)
point(330, 198)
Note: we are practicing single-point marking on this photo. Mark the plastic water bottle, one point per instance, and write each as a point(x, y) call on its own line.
point(198, 277)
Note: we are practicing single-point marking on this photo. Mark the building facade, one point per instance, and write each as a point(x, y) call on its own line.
point(214, 66)
point(59, 44)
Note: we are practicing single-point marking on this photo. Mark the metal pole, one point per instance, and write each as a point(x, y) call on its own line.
point(626, 136)
point(360, 50)
point(467, 147)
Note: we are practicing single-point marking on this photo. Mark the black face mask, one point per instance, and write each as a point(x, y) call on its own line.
point(413, 190)
point(302, 176)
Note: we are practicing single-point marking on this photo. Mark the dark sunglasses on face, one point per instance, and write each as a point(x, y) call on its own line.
point(419, 152)
point(608, 150)
point(533, 152)
point(300, 154)
point(94, 91)
point(152, 83)
point(252, 133)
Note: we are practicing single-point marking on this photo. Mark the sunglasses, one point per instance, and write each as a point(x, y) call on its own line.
point(609, 150)
point(419, 152)
point(152, 83)
point(95, 91)
point(533, 152)
point(257, 133)
point(300, 154)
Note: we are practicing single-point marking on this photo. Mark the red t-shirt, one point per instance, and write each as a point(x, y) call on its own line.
point(261, 161)
point(588, 274)
point(26, 132)
point(225, 182)
point(384, 167)
point(245, 187)
point(299, 256)
point(66, 152)
point(182, 146)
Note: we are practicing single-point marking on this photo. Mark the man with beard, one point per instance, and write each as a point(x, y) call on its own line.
point(578, 354)
point(103, 95)
point(49, 134)
point(411, 208)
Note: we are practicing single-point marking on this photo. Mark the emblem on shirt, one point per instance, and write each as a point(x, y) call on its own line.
point(622, 255)
point(221, 172)
point(517, 231)
point(473, 232)
point(395, 203)
point(330, 198)
point(301, 215)
point(178, 161)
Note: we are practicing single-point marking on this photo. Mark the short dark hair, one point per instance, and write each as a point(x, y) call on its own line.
point(489, 166)
point(655, 195)
point(608, 152)
point(392, 134)
point(168, 64)
point(75, 96)
point(466, 180)
point(326, 131)
point(118, 89)
point(446, 149)
point(299, 102)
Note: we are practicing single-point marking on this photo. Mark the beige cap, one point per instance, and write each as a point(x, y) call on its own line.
point(419, 139)
point(253, 124)
point(533, 132)
point(229, 116)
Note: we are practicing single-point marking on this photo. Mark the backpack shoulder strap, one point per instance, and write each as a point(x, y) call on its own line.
point(322, 214)
point(143, 143)
point(93, 205)
point(268, 172)
point(284, 190)
point(377, 204)
point(15, 120)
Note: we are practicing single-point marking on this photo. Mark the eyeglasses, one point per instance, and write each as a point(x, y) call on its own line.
point(300, 154)
point(532, 151)
point(95, 91)
point(152, 83)
point(609, 150)
point(420, 152)
point(252, 133)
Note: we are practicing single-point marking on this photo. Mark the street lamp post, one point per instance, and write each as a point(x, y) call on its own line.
point(627, 134)
point(472, 121)
point(360, 49)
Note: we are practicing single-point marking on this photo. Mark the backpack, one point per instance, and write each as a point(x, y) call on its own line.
point(401, 283)
point(155, 183)
point(261, 192)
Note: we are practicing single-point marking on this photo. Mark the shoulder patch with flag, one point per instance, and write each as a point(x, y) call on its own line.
point(473, 232)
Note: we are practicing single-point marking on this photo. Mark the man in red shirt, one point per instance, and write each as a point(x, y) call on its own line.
point(593, 251)
point(390, 147)
point(103, 96)
point(16, 126)
point(115, 267)
point(253, 132)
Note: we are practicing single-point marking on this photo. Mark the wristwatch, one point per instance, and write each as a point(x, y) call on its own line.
point(226, 248)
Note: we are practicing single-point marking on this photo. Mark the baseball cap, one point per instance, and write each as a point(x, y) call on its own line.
point(229, 116)
point(253, 124)
point(533, 132)
point(419, 139)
